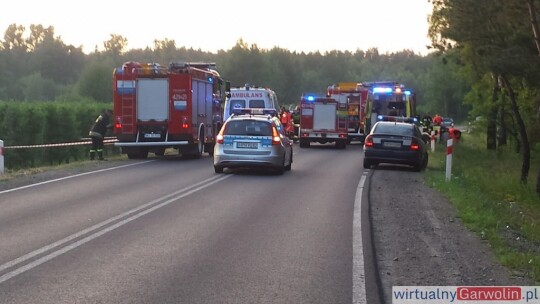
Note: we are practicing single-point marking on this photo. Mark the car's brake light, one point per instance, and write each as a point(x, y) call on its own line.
point(368, 142)
point(276, 139)
point(219, 137)
point(414, 145)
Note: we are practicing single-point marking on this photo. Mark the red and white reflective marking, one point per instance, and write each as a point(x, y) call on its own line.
point(448, 159)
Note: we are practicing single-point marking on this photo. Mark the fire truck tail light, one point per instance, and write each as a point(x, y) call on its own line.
point(118, 123)
point(185, 124)
point(276, 140)
point(368, 141)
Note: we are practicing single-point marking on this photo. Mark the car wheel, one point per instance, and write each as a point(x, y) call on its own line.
point(218, 169)
point(426, 160)
point(281, 169)
point(289, 166)
point(418, 165)
point(367, 164)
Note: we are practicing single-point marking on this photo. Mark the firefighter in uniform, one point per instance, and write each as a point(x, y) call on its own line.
point(97, 133)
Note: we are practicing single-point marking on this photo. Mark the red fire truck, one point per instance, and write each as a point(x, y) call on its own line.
point(322, 120)
point(158, 107)
point(354, 95)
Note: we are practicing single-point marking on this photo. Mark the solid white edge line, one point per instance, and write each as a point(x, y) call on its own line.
point(72, 176)
point(43, 249)
point(358, 273)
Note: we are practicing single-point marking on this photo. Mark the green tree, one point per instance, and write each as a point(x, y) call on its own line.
point(96, 81)
point(14, 38)
point(116, 45)
point(490, 35)
point(37, 88)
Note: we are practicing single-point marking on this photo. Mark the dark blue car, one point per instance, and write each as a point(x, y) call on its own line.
point(395, 143)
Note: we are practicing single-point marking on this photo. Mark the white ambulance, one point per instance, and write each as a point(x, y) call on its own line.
point(249, 97)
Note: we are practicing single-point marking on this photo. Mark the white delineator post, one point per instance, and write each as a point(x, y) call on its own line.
point(432, 141)
point(448, 159)
point(1, 156)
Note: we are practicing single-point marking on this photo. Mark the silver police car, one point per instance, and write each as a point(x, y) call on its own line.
point(253, 138)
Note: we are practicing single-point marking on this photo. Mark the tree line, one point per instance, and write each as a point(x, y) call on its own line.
point(36, 65)
point(497, 45)
point(484, 63)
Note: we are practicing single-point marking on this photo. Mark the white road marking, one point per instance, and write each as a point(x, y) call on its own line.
point(136, 214)
point(358, 271)
point(72, 176)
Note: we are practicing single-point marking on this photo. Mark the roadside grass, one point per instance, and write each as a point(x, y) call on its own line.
point(14, 173)
point(485, 189)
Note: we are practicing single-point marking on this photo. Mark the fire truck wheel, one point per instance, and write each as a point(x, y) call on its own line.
point(160, 152)
point(198, 148)
point(304, 144)
point(210, 149)
point(341, 144)
point(142, 154)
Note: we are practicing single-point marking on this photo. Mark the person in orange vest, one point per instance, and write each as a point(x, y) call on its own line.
point(437, 120)
point(286, 119)
point(283, 115)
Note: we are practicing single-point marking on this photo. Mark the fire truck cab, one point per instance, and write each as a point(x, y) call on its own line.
point(157, 107)
point(322, 120)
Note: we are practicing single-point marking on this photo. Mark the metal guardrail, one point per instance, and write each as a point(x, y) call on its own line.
point(83, 141)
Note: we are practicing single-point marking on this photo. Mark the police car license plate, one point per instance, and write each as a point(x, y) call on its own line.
point(248, 145)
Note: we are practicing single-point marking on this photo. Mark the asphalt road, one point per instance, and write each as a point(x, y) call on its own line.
point(172, 231)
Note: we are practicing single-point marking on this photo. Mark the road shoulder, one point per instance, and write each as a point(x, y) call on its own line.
point(419, 239)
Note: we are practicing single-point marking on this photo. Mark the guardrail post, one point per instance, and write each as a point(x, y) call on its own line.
point(432, 141)
point(1, 157)
point(448, 159)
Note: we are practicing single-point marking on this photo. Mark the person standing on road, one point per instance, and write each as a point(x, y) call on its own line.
point(97, 133)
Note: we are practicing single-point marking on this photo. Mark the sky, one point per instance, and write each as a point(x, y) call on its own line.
point(212, 25)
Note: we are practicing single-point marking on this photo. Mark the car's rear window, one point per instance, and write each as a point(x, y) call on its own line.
point(248, 127)
point(398, 129)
